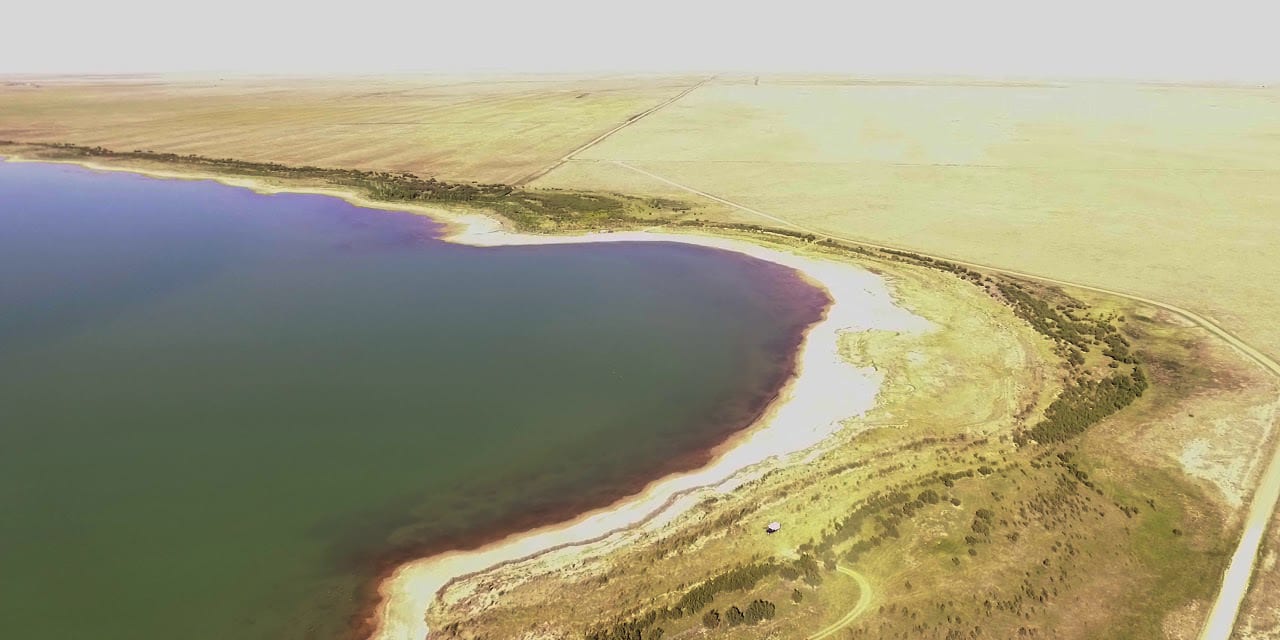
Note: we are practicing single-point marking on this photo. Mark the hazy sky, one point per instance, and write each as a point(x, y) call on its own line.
point(1171, 39)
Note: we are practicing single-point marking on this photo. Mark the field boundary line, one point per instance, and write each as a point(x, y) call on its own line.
point(601, 138)
point(1221, 620)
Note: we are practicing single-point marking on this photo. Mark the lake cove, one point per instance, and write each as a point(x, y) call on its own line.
point(224, 413)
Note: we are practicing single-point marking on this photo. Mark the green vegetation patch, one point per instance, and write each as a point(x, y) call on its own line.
point(741, 578)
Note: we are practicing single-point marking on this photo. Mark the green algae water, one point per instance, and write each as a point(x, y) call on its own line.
point(224, 414)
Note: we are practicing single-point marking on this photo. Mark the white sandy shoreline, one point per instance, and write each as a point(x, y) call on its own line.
point(824, 391)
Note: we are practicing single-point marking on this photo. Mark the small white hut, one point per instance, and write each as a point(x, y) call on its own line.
point(773, 527)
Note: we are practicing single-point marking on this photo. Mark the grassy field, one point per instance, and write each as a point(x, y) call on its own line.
point(490, 129)
point(954, 529)
point(1167, 192)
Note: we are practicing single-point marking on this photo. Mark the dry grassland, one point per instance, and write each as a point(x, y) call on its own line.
point(489, 129)
point(1168, 192)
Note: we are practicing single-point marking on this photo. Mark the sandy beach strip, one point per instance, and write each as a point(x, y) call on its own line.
point(824, 391)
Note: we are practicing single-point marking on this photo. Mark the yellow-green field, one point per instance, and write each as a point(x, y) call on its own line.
point(489, 129)
point(1168, 192)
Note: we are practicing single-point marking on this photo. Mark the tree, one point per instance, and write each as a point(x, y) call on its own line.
point(734, 616)
point(759, 610)
point(711, 619)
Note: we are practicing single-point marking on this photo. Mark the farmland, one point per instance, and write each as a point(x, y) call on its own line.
point(1168, 192)
point(492, 129)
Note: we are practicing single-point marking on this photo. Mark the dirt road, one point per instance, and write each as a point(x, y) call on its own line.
point(600, 138)
point(864, 602)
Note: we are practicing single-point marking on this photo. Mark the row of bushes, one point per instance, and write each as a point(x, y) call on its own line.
point(758, 611)
point(528, 209)
point(740, 578)
point(1084, 404)
point(1058, 324)
point(1087, 401)
point(958, 270)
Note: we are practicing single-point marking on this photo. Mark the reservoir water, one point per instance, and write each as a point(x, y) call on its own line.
point(222, 413)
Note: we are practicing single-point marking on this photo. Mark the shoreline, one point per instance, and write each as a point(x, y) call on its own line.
point(362, 625)
point(821, 391)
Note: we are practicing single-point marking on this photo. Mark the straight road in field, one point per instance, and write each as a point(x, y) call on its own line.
point(600, 138)
point(864, 602)
point(1235, 581)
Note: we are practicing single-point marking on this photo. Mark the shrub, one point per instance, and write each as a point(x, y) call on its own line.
point(711, 619)
point(759, 611)
point(734, 616)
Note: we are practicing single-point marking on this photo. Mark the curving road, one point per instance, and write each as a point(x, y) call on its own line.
point(864, 603)
point(1236, 579)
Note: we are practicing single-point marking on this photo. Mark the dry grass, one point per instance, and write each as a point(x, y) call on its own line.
point(1166, 192)
point(491, 129)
